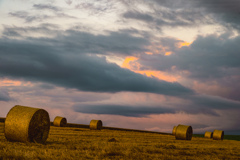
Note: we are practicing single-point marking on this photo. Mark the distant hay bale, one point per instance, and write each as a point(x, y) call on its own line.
point(95, 125)
point(60, 121)
point(183, 132)
point(174, 130)
point(26, 124)
point(218, 135)
point(208, 134)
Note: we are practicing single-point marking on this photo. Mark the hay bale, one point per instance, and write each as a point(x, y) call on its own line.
point(95, 125)
point(60, 121)
point(183, 132)
point(208, 134)
point(26, 124)
point(174, 130)
point(218, 135)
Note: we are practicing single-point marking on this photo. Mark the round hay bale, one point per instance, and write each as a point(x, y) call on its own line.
point(183, 132)
point(26, 124)
point(174, 130)
point(218, 135)
point(208, 134)
point(95, 125)
point(60, 121)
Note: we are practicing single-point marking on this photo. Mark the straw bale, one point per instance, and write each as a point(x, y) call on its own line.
point(218, 135)
point(60, 121)
point(26, 124)
point(183, 132)
point(174, 130)
point(208, 134)
point(95, 125)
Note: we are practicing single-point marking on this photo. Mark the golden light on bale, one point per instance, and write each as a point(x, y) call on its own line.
point(218, 135)
point(95, 125)
point(60, 121)
point(208, 134)
point(174, 130)
point(26, 124)
point(183, 132)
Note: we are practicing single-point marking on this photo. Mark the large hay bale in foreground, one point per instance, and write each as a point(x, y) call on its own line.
point(60, 121)
point(183, 132)
point(174, 130)
point(95, 125)
point(208, 134)
point(218, 135)
point(26, 124)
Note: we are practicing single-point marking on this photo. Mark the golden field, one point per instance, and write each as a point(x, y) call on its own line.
point(82, 143)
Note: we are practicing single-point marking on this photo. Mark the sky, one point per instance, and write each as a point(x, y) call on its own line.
point(140, 64)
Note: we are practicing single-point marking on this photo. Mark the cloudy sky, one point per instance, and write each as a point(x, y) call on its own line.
point(142, 64)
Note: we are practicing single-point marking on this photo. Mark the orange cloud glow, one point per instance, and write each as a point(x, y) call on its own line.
point(149, 53)
point(7, 82)
point(181, 44)
point(168, 53)
point(132, 64)
point(158, 74)
point(129, 63)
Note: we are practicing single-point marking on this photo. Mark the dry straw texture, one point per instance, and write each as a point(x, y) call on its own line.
point(174, 130)
point(184, 132)
point(208, 134)
point(218, 134)
point(60, 121)
point(26, 124)
point(95, 125)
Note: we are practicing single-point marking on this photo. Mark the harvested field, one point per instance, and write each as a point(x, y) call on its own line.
point(82, 143)
point(27, 124)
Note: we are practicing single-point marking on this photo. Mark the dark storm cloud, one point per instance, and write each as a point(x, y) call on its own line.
point(82, 42)
point(97, 8)
point(215, 102)
point(4, 95)
point(211, 59)
point(121, 43)
point(46, 6)
point(137, 15)
point(41, 60)
point(40, 17)
point(27, 17)
point(220, 6)
point(114, 43)
point(57, 11)
point(63, 15)
point(173, 4)
point(225, 12)
point(45, 28)
point(130, 111)
point(207, 57)
point(166, 13)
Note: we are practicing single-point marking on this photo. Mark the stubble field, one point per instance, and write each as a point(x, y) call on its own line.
point(82, 143)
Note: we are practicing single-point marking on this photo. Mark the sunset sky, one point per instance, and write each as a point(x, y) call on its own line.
point(141, 64)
